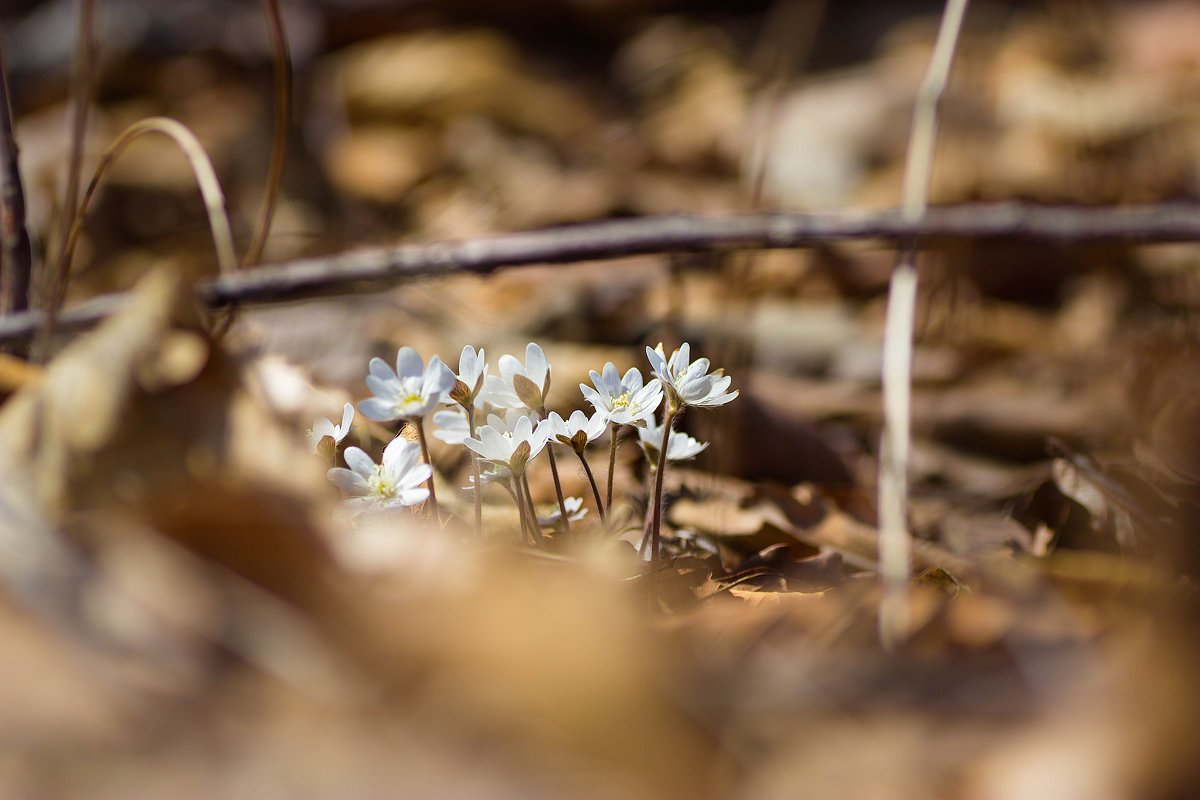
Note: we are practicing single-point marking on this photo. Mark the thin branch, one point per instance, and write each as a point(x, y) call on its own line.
point(282, 66)
point(16, 255)
point(609, 239)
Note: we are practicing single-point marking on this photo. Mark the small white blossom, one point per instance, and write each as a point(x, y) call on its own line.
point(624, 401)
point(491, 474)
point(322, 427)
point(510, 447)
point(410, 391)
point(689, 384)
point(680, 446)
point(472, 373)
point(395, 481)
point(575, 511)
point(521, 385)
point(578, 431)
point(451, 425)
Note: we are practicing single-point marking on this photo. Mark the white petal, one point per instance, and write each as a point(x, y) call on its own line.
point(593, 397)
point(411, 497)
point(347, 418)
point(378, 410)
point(321, 428)
point(509, 366)
point(380, 369)
point(399, 456)
point(537, 368)
point(496, 445)
point(388, 388)
point(657, 362)
point(632, 380)
point(438, 378)
point(359, 461)
point(409, 363)
point(416, 476)
point(347, 481)
point(577, 422)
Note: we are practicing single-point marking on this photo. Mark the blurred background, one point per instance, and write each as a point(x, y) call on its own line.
point(201, 627)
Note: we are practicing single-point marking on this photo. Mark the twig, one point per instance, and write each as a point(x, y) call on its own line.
point(895, 550)
point(16, 255)
point(81, 101)
point(282, 61)
point(607, 239)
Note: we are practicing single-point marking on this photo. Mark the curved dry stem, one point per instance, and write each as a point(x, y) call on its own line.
point(282, 58)
point(895, 556)
point(206, 180)
point(80, 103)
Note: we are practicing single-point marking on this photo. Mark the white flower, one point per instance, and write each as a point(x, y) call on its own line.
point(322, 427)
point(624, 401)
point(395, 481)
point(411, 391)
point(491, 474)
point(451, 425)
point(472, 372)
point(521, 385)
point(510, 447)
point(680, 446)
point(575, 511)
point(689, 384)
point(576, 432)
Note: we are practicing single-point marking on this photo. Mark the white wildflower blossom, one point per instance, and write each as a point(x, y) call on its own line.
point(521, 385)
point(575, 512)
point(578, 431)
point(451, 425)
point(410, 391)
point(395, 481)
point(623, 400)
point(491, 474)
point(510, 446)
point(472, 374)
point(322, 427)
point(680, 446)
point(689, 383)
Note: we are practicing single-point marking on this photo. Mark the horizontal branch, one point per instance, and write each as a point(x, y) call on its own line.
point(618, 238)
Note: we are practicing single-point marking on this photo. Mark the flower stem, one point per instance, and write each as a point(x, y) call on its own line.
point(519, 496)
point(595, 489)
point(656, 514)
point(476, 470)
point(612, 466)
point(534, 527)
point(433, 503)
point(562, 506)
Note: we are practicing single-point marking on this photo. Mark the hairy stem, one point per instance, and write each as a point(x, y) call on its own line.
point(433, 503)
point(558, 492)
point(612, 464)
point(534, 527)
point(595, 489)
point(477, 471)
point(656, 514)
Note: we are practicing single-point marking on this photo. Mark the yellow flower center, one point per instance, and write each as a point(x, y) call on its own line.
point(380, 485)
point(622, 401)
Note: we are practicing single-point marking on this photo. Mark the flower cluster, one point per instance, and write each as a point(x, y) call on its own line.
point(515, 427)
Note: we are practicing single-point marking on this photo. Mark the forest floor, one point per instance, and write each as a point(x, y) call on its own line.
point(187, 610)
